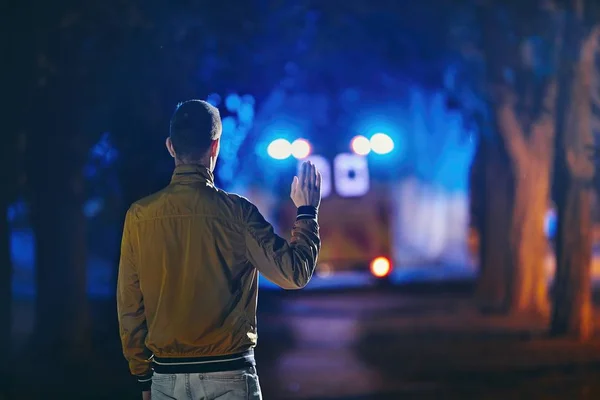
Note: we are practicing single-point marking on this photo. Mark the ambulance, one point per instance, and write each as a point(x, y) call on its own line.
point(355, 208)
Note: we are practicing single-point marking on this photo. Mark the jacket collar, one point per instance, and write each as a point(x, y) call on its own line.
point(192, 173)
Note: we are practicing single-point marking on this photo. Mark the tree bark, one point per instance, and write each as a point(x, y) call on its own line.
point(572, 305)
point(492, 192)
point(527, 137)
point(531, 158)
point(513, 244)
point(528, 284)
point(516, 191)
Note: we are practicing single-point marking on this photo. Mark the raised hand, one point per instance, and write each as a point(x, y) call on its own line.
point(306, 188)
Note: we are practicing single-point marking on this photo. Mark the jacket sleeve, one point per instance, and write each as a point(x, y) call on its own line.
point(130, 309)
point(288, 265)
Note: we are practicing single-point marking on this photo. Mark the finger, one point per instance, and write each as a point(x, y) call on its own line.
point(308, 168)
point(319, 180)
point(294, 185)
point(311, 176)
point(305, 173)
point(301, 174)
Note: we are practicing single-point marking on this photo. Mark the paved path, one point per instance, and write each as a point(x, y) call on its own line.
point(373, 345)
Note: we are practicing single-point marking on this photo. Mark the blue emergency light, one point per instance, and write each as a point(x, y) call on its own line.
point(380, 143)
point(281, 149)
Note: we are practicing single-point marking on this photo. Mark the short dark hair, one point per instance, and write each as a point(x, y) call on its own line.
point(194, 125)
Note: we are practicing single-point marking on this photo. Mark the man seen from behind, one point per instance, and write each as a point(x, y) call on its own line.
point(188, 273)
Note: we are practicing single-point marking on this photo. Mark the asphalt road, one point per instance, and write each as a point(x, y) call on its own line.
point(423, 343)
point(418, 345)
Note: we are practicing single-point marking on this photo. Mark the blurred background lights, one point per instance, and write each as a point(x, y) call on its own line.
point(233, 102)
point(301, 149)
point(279, 149)
point(246, 113)
point(228, 124)
point(381, 267)
point(360, 145)
point(381, 143)
point(214, 99)
point(248, 99)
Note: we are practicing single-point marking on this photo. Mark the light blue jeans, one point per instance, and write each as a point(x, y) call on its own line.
point(228, 385)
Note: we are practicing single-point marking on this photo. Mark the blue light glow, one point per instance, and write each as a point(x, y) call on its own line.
point(248, 99)
point(386, 137)
point(246, 113)
point(351, 174)
point(550, 224)
point(90, 171)
point(280, 127)
point(228, 124)
point(349, 96)
point(214, 99)
point(16, 210)
point(381, 143)
point(235, 131)
point(360, 145)
point(279, 149)
point(92, 207)
point(233, 102)
point(301, 149)
point(22, 251)
point(103, 150)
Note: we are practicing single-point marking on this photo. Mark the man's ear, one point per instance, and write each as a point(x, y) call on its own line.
point(215, 146)
point(169, 145)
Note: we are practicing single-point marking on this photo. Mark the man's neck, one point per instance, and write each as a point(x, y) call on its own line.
point(186, 162)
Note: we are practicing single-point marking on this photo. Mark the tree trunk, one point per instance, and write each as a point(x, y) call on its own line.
point(528, 285)
point(493, 209)
point(62, 324)
point(512, 241)
point(55, 98)
point(572, 306)
point(530, 154)
point(527, 136)
point(61, 308)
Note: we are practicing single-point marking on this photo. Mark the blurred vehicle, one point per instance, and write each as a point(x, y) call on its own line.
point(354, 215)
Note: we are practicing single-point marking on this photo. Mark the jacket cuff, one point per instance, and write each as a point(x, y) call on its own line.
point(145, 382)
point(306, 212)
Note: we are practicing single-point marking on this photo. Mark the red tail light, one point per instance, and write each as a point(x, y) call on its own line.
point(381, 267)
